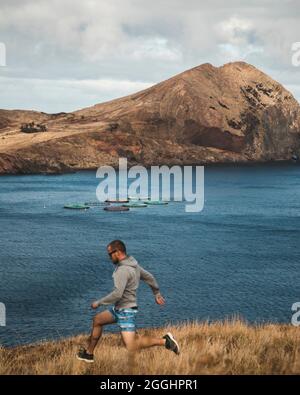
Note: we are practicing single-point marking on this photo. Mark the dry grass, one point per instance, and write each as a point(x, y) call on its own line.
point(230, 347)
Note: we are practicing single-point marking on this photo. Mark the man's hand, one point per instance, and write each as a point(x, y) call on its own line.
point(159, 299)
point(94, 305)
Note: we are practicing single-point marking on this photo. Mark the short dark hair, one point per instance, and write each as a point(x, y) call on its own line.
point(117, 245)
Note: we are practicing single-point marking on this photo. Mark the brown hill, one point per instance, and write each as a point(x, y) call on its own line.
point(233, 113)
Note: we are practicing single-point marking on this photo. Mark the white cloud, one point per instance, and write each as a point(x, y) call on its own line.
point(156, 48)
point(63, 95)
point(136, 40)
point(235, 30)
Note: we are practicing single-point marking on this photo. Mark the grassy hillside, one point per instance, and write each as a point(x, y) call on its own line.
point(218, 348)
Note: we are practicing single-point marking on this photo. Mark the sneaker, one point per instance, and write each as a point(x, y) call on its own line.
point(84, 356)
point(171, 343)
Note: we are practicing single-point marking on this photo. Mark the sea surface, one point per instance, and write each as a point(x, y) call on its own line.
point(239, 256)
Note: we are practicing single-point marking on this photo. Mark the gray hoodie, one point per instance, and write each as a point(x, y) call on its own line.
point(126, 277)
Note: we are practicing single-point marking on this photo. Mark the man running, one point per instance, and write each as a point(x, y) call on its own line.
point(126, 281)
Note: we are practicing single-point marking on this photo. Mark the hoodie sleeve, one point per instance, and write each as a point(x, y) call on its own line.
point(120, 281)
point(150, 280)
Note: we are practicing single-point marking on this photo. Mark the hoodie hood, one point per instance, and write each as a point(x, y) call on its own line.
point(129, 261)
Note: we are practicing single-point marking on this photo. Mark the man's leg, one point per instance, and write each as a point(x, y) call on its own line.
point(100, 319)
point(134, 342)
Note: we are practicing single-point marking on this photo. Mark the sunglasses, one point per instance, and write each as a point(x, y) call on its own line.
point(112, 252)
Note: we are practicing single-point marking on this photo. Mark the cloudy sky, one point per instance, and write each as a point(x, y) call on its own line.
point(63, 55)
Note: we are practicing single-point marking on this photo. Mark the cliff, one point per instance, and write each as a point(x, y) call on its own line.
point(232, 113)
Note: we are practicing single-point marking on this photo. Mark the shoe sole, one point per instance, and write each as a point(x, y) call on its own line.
point(85, 360)
point(172, 338)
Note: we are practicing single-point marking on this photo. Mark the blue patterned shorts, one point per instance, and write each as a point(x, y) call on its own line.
point(125, 318)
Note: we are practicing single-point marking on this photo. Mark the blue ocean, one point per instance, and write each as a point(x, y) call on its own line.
point(239, 256)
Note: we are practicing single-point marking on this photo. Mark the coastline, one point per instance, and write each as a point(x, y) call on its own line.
point(222, 347)
point(250, 163)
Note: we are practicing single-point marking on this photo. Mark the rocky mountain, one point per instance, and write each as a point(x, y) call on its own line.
point(232, 113)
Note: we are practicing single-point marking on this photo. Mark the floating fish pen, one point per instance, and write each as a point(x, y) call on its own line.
point(116, 208)
point(135, 205)
point(76, 206)
point(155, 202)
point(95, 204)
point(117, 201)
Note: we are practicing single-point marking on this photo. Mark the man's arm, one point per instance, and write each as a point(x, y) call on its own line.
point(150, 280)
point(120, 281)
